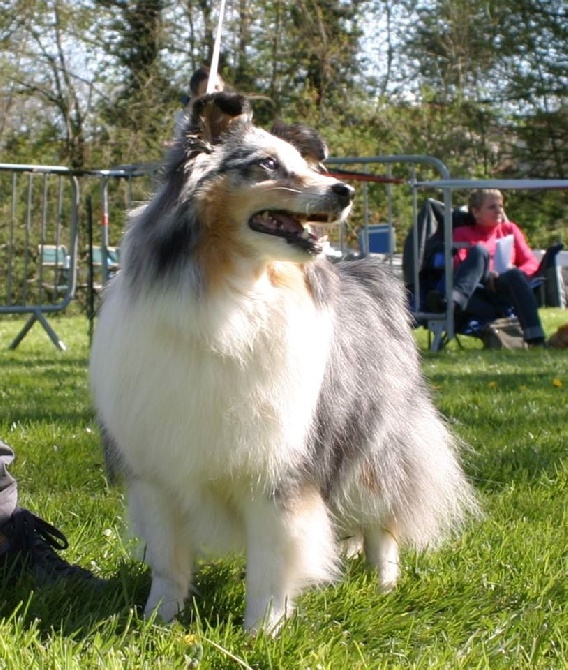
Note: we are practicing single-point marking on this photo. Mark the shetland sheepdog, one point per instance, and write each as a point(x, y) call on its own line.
point(255, 395)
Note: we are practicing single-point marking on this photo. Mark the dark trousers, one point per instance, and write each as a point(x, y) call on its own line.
point(8, 485)
point(512, 286)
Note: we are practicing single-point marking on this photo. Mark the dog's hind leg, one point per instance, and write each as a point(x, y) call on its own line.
point(158, 523)
point(381, 551)
point(288, 546)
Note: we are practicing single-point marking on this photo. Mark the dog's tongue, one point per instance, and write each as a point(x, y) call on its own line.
point(286, 222)
point(283, 223)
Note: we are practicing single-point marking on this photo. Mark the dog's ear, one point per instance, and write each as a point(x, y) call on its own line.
point(307, 140)
point(214, 113)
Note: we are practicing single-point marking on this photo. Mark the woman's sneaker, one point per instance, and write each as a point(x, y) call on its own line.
point(30, 543)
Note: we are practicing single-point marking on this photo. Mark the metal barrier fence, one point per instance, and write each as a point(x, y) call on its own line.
point(138, 183)
point(43, 261)
point(42, 251)
point(436, 323)
point(441, 326)
point(39, 215)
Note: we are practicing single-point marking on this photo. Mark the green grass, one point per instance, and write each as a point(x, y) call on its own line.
point(493, 598)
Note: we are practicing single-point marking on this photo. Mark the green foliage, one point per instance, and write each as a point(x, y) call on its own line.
point(479, 85)
point(494, 598)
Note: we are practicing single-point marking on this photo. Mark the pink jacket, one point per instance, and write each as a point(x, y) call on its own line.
point(487, 236)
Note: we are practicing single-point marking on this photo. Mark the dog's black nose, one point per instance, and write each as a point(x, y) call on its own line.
point(343, 192)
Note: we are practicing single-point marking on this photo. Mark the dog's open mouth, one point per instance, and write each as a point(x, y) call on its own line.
point(294, 228)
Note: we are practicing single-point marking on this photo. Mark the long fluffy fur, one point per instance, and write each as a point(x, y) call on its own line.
point(254, 394)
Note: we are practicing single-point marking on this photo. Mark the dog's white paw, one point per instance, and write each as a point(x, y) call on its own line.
point(165, 612)
point(351, 547)
point(266, 618)
point(381, 550)
point(388, 576)
point(164, 601)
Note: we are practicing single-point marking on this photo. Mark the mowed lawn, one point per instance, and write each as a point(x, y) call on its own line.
point(494, 597)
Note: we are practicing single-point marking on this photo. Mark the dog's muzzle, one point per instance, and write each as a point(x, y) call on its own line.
point(344, 194)
point(295, 227)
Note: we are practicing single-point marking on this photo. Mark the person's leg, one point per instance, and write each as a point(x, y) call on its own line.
point(467, 277)
point(26, 541)
point(484, 306)
point(8, 492)
point(8, 485)
point(515, 286)
point(469, 274)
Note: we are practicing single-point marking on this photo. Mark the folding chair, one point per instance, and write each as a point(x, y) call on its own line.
point(54, 269)
point(431, 276)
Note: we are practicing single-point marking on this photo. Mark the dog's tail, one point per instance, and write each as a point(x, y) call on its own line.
point(434, 497)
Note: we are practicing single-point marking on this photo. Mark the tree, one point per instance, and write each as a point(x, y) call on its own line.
point(43, 73)
point(502, 68)
point(133, 113)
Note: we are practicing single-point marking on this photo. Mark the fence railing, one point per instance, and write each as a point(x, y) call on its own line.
point(39, 215)
point(42, 251)
point(437, 323)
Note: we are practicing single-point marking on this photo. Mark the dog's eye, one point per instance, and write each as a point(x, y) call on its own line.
point(269, 163)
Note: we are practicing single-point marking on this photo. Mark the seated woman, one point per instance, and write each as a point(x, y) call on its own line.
point(475, 265)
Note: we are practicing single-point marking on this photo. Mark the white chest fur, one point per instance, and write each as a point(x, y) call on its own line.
point(199, 391)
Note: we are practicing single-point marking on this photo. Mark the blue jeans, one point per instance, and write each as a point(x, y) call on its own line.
point(512, 286)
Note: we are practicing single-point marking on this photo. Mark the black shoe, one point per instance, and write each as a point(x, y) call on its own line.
point(436, 302)
point(538, 342)
point(29, 543)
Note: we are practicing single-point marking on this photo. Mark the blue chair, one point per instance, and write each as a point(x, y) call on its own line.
point(381, 239)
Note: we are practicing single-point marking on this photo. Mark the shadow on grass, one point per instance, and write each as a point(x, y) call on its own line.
point(218, 595)
point(74, 608)
point(56, 361)
point(53, 390)
point(516, 465)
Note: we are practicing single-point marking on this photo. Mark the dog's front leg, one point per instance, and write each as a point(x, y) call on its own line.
point(162, 528)
point(382, 553)
point(289, 545)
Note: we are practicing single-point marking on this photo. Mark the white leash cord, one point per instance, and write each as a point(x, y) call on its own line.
point(216, 50)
